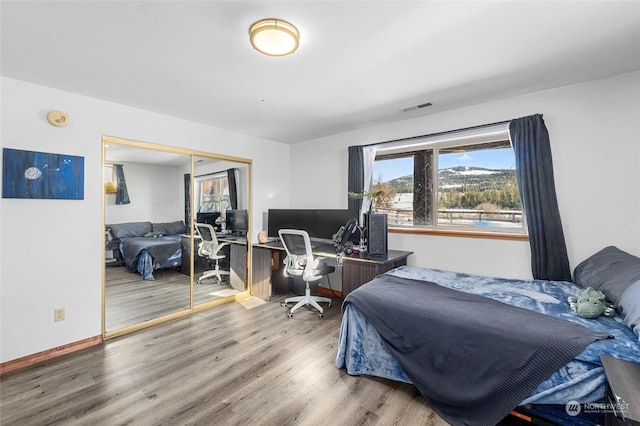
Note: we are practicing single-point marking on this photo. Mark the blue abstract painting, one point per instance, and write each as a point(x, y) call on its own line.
point(30, 174)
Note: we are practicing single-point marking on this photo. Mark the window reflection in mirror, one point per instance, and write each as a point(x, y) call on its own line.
point(153, 268)
point(220, 266)
point(110, 186)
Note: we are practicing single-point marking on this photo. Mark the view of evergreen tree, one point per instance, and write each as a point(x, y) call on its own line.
point(465, 188)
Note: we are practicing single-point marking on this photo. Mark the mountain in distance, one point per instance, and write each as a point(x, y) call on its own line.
point(470, 177)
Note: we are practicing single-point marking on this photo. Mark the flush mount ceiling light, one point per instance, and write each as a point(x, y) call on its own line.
point(274, 37)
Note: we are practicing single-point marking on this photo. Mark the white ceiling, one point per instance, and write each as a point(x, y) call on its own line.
point(359, 62)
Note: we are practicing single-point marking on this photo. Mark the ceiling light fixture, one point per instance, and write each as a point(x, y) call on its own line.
point(274, 37)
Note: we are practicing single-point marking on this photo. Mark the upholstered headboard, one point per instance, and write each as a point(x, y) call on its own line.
point(142, 229)
point(130, 229)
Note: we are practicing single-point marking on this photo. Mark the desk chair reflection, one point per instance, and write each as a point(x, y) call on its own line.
point(210, 248)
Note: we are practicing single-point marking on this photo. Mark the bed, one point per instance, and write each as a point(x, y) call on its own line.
point(459, 359)
point(146, 247)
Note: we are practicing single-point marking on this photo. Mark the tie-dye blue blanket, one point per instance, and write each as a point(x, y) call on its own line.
point(362, 351)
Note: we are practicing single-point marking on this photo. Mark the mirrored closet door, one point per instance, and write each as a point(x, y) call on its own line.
point(220, 204)
point(159, 263)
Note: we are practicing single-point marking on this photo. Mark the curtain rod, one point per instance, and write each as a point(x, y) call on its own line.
point(480, 126)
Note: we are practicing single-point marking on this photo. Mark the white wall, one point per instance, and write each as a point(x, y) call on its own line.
point(51, 250)
point(595, 140)
point(156, 194)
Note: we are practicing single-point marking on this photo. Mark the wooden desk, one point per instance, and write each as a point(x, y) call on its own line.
point(623, 393)
point(356, 270)
point(235, 260)
point(362, 268)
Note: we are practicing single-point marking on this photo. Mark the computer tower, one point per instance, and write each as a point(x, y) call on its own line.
point(376, 232)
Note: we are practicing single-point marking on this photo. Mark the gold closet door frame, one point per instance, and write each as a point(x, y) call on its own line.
point(106, 141)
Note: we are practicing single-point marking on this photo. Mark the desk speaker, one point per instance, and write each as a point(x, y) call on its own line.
point(376, 232)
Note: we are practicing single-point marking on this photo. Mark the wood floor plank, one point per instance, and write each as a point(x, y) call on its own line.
point(235, 364)
point(131, 300)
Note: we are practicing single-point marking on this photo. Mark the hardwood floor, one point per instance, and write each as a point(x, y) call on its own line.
point(131, 300)
point(241, 363)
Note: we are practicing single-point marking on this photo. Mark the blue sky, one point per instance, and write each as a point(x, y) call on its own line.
point(491, 159)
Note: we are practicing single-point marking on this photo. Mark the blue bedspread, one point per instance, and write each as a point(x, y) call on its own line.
point(144, 255)
point(362, 351)
point(147, 264)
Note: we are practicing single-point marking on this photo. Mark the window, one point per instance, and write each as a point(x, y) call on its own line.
point(460, 183)
point(214, 193)
point(110, 181)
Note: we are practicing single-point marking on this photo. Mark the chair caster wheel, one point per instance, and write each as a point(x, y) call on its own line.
point(320, 315)
point(290, 315)
point(329, 305)
point(284, 305)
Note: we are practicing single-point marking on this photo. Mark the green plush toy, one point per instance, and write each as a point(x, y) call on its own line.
point(591, 303)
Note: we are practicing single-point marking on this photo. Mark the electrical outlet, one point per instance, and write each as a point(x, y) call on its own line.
point(58, 314)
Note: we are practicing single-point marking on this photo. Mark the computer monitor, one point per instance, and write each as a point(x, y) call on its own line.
point(328, 221)
point(290, 219)
point(237, 221)
point(319, 223)
point(209, 218)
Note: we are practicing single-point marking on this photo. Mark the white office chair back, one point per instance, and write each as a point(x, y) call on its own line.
point(209, 245)
point(299, 260)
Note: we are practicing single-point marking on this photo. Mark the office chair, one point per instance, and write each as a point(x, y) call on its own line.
point(300, 263)
point(210, 248)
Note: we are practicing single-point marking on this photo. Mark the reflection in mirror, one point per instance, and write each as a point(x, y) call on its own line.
point(220, 206)
point(158, 263)
point(109, 177)
point(145, 276)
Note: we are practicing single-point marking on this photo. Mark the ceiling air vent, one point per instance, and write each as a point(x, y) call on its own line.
point(417, 107)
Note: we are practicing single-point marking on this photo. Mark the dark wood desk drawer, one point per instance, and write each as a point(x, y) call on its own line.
point(355, 274)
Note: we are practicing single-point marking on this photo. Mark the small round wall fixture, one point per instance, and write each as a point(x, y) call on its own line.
point(58, 118)
point(274, 37)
